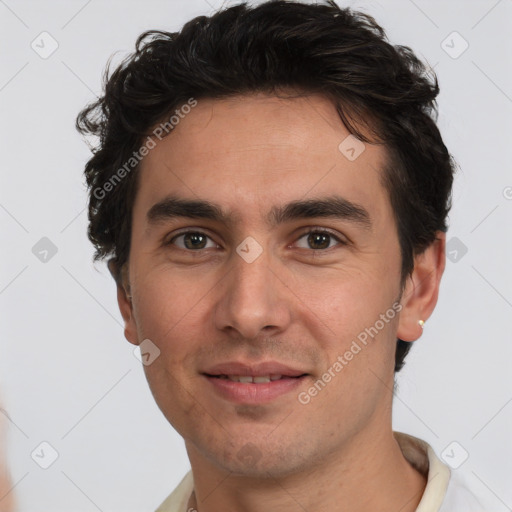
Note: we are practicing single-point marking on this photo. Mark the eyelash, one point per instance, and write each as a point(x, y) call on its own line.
point(306, 233)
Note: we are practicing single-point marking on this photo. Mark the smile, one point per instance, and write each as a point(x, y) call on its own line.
point(254, 390)
point(246, 379)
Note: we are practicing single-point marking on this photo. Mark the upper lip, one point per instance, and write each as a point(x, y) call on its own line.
point(254, 369)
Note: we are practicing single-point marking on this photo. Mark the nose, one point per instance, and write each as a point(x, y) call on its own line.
point(253, 300)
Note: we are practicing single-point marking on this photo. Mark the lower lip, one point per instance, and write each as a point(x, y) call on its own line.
point(254, 393)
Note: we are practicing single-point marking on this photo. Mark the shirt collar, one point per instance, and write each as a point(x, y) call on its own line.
point(417, 452)
point(423, 458)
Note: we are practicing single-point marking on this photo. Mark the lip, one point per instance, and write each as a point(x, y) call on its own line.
point(254, 393)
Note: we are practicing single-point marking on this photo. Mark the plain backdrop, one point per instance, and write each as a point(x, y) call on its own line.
point(68, 377)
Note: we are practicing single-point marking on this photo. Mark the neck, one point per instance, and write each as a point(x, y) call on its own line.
point(370, 474)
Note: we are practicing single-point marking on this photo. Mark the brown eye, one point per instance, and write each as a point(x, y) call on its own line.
point(192, 240)
point(318, 240)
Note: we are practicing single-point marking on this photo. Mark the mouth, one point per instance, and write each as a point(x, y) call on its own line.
point(254, 384)
point(255, 379)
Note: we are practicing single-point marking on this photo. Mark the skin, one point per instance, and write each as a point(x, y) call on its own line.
point(295, 303)
point(7, 497)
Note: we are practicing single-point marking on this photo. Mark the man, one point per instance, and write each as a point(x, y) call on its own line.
point(271, 190)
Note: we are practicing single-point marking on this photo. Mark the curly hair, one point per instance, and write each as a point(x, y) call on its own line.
point(383, 94)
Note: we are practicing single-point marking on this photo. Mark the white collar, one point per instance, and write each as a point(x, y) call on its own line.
point(423, 458)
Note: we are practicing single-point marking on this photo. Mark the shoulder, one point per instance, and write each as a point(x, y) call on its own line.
point(446, 490)
point(178, 499)
point(459, 497)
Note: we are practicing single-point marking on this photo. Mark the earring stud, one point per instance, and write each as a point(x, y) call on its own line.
point(421, 323)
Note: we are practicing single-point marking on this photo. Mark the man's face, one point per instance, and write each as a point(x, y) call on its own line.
point(274, 290)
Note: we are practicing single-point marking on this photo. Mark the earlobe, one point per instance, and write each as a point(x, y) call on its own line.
point(422, 289)
point(124, 301)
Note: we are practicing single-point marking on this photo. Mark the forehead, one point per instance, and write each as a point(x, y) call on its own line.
point(251, 152)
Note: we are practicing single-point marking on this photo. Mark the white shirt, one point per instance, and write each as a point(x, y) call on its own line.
point(445, 492)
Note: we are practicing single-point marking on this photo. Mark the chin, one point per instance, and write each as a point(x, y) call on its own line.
point(258, 459)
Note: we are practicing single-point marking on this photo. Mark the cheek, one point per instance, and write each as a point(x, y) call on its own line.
point(172, 314)
point(169, 303)
point(358, 338)
point(346, 302)
point(356, 321)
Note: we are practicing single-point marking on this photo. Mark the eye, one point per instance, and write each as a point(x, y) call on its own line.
point(192, 240)
point(319, 239)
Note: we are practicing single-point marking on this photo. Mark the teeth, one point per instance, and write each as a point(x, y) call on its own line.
point(261, 379)
point(246, 379)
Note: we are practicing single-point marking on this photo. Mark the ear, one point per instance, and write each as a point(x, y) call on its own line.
point(420, 294)
point(124, 300)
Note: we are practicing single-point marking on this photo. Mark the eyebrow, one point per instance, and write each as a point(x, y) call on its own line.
point(334, 207)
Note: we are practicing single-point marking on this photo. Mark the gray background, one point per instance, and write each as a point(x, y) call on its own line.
point(67, 375)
